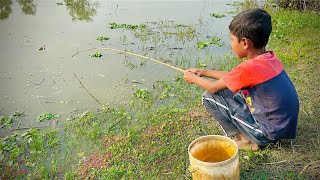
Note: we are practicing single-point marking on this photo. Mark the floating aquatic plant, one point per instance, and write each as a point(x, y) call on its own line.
point(103, 38)
point(203, 44)
point(6, 121)
point(217, 15)
point(96, 54)
point(46, 116)
point(142, 93)
point(127, 26)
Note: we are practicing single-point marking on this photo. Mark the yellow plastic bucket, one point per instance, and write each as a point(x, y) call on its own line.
point(214, 157)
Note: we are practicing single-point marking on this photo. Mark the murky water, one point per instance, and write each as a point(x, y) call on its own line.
point(40, 81)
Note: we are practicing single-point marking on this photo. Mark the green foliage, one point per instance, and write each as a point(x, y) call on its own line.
point(35, 140)
point(18, 114)
point(6, 121)
point(217, 15)
point(114, 172)
point(46, 116)
point(142, 93)
point(203, 44)
point(10, 150)
point(96, 54)
point(299, 5)
point(127, 26)
point(103, 38)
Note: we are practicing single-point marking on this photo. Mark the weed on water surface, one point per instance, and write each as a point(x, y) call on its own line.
point(96, 54)
point(142, 93)
point(46, 116)
point(203, 44)
point(127, 26)
point(6, 121)
point(217, 15)
point(103, 38)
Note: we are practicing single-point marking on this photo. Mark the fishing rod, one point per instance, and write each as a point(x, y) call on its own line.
point(133, 54)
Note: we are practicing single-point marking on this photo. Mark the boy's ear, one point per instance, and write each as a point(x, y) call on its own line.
point(246, 43)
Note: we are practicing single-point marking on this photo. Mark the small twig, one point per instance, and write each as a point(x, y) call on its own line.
point(113, 125)
point(134, 54)
point(303, 111)
point(308, 165)
point(278, 162)
point(87, 89)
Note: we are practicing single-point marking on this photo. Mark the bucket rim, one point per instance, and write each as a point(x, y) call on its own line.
point(227, 161)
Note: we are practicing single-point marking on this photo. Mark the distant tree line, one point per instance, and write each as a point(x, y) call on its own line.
point(300, 4)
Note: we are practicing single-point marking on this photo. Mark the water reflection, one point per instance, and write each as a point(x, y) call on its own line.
point(28, 6)
point(5, 9)
point(81, 10)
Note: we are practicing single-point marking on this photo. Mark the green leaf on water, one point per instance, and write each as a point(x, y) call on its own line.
point(6, 121)
point(127, 26)
point(203, 44)
point(217, 15)
point(215, 40)
point(18, 114)
point(103, 38)
point(142, 93)
point(96, 54)
point(46, 116)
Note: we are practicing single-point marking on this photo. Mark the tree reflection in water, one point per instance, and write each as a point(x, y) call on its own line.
point(28, 6)
point(5, 9)
point(81, 10)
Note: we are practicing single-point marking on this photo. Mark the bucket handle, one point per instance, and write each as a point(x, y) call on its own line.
point(193, 169)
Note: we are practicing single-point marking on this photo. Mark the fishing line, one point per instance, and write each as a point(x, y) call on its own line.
point(133, 54)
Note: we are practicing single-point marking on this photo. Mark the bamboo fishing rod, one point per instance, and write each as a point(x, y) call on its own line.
point(133, 54)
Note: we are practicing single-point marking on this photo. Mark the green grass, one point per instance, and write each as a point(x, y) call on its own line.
point(148, 137)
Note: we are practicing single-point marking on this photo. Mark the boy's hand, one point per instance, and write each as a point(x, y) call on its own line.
point(189, 76)
point(196, 71)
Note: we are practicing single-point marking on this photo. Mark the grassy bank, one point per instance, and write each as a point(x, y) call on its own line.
point(147, 138)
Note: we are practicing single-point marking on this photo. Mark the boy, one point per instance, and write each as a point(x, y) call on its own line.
point(256, 102)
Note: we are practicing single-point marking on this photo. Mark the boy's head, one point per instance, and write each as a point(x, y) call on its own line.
point(253, 24)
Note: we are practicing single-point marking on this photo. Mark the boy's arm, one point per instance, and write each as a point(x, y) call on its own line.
point(211, 86)
point(208, 73)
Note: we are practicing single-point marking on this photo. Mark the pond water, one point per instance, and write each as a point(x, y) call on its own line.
point(38, 38)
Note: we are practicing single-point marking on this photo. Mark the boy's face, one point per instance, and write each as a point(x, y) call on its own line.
point(238, 47)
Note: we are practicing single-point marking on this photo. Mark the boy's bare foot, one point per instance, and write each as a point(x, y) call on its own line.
point(244, 143)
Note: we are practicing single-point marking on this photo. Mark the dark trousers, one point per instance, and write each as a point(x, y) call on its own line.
point(233, 115)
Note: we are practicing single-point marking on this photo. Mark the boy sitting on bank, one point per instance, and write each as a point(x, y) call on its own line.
point(256, 102)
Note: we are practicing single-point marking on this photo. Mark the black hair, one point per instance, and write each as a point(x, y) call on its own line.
point(254, 24)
